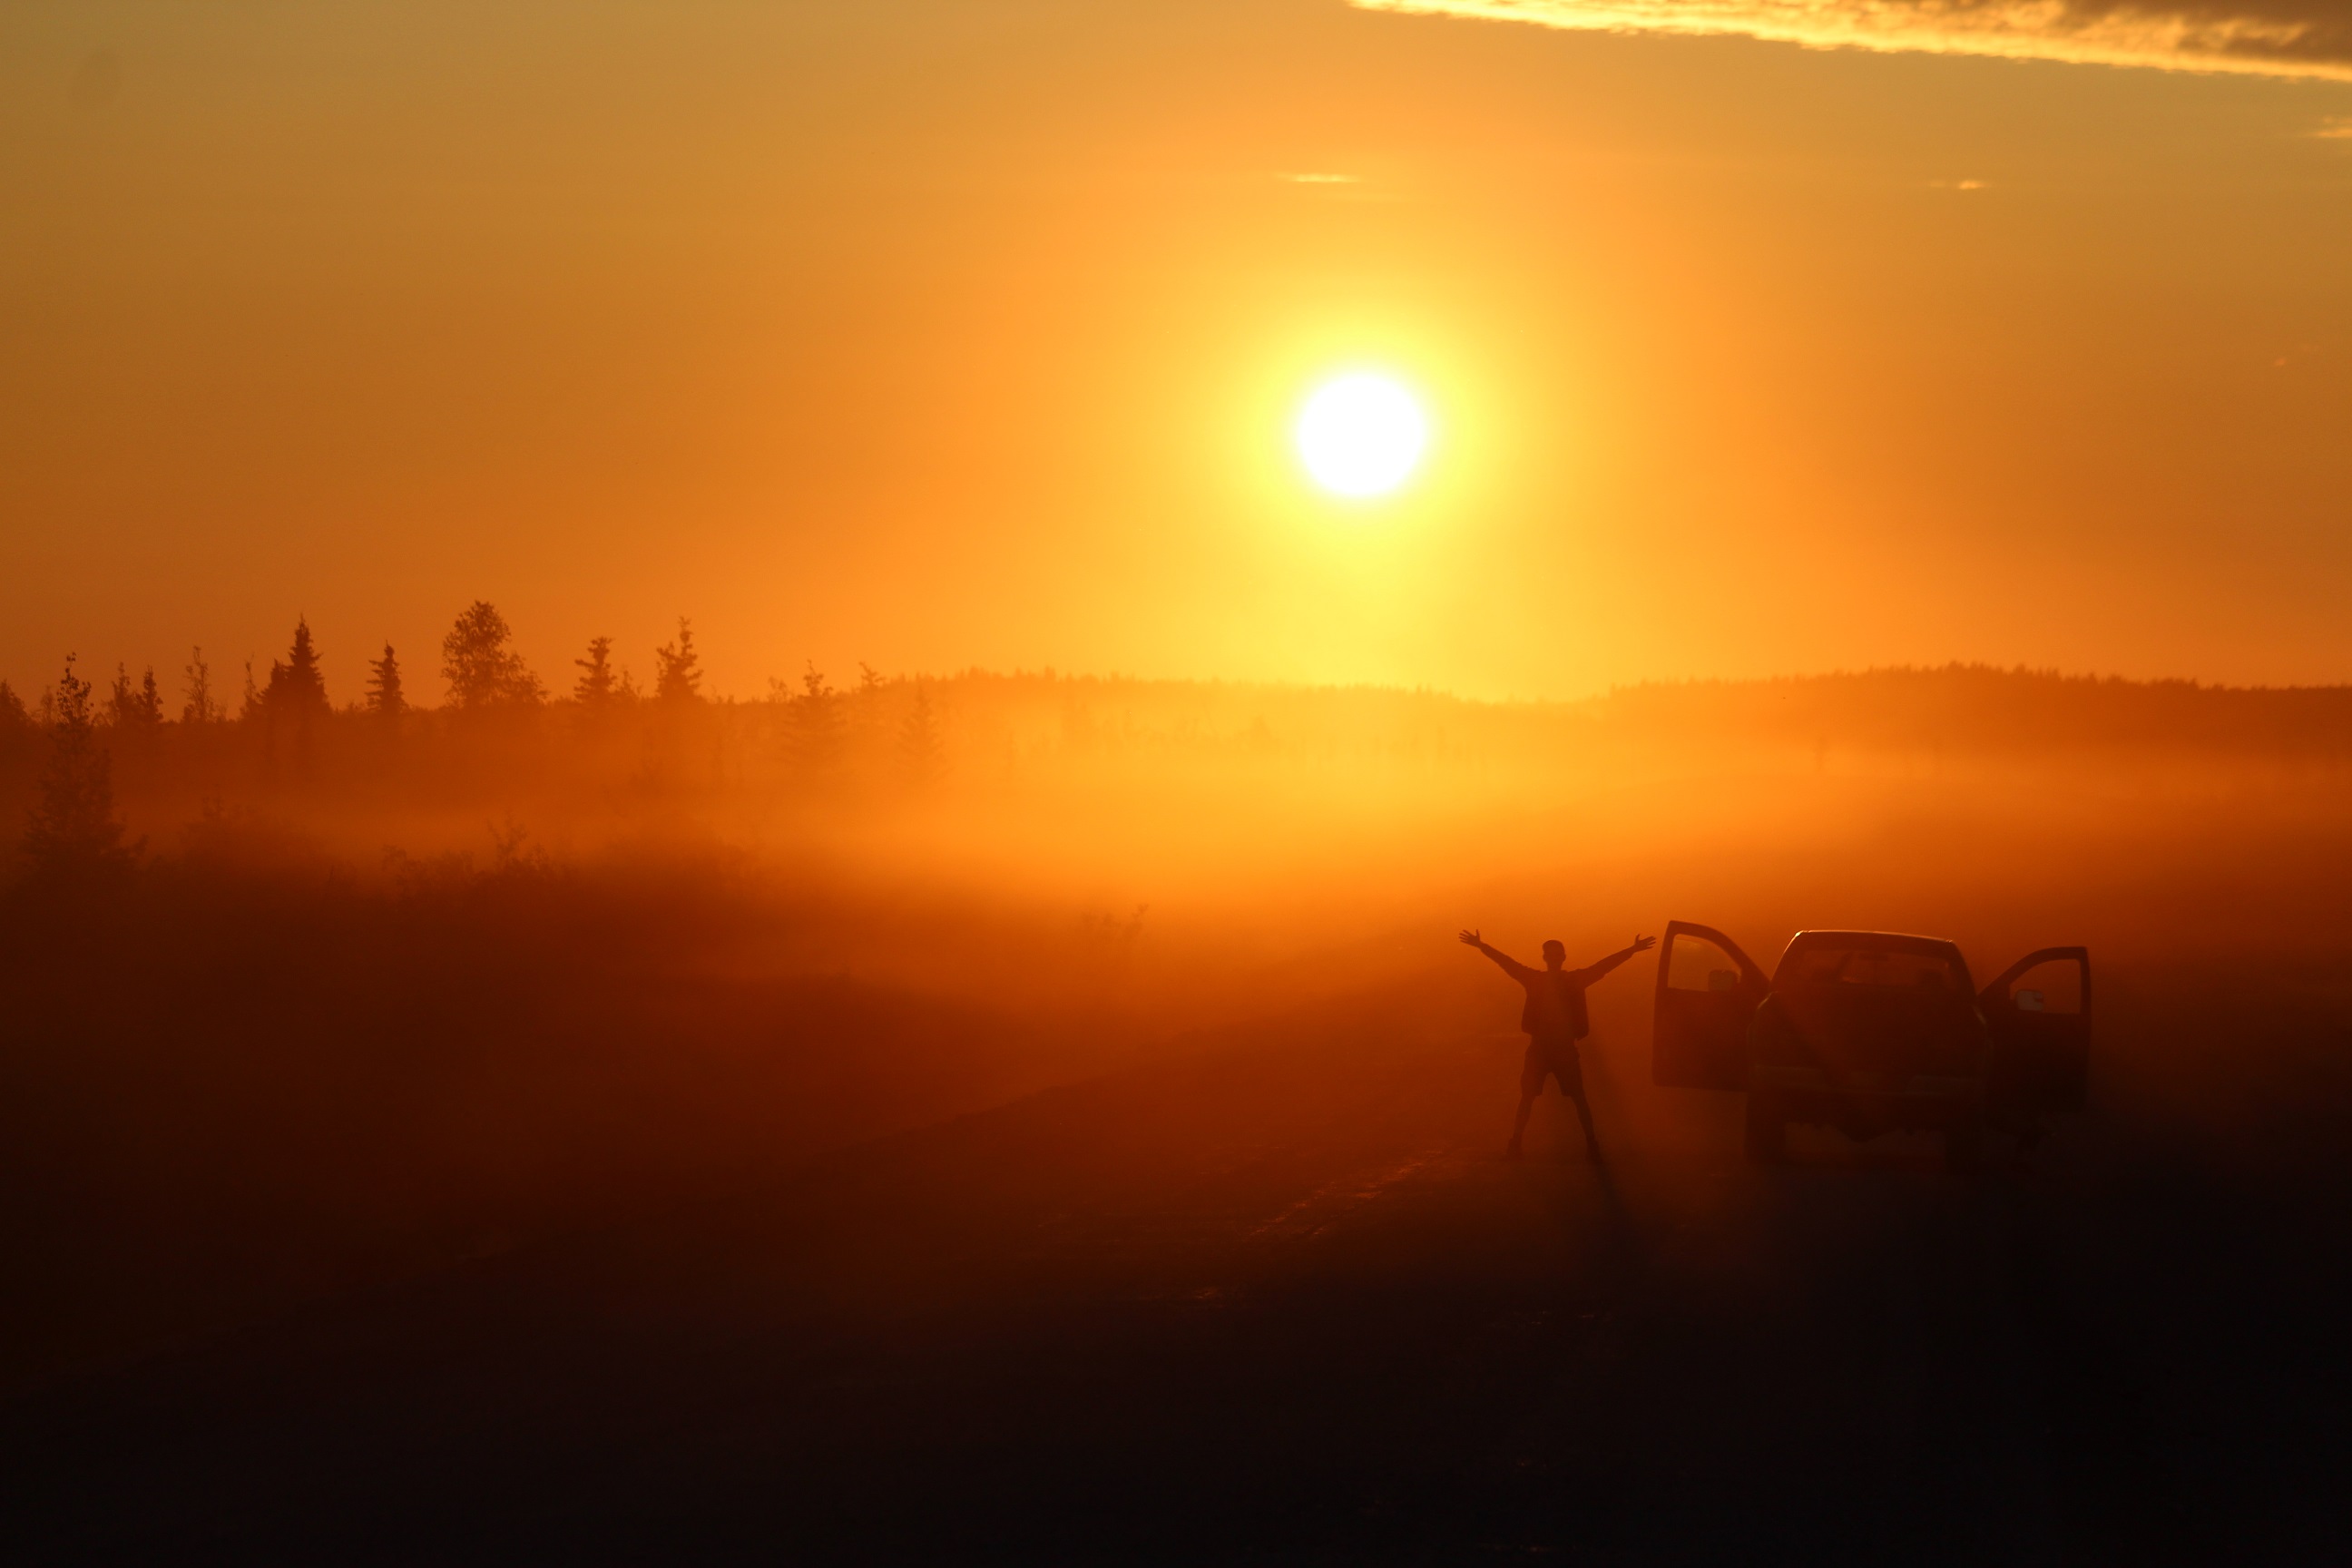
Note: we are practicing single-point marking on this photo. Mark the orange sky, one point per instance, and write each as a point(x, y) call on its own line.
point(949, 334)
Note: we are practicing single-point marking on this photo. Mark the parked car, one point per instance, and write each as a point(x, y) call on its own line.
point(1874, 1032)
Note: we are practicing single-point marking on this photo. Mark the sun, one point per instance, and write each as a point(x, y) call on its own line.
point(1361, 435)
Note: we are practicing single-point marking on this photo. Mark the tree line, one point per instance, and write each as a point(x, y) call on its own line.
point(73, 728)
point(479, 665)
point(480, 668)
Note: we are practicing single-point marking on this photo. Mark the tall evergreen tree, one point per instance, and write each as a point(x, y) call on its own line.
point(815, 723)
point(385, 699)
point(200, 706)
point(482, 670)
point(297, 688)
point(136, 709)
point(73, 830)
point(921, 758)
point(598, 688)
point(680, 673)
point(871, 693)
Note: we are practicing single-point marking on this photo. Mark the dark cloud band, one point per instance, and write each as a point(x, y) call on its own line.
point(2269, 37)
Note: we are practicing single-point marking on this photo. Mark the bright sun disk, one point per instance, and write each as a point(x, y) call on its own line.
point(1361, 435)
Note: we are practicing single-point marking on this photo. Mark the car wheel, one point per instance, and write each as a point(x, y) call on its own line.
point(1767, 1140)
point(1964, 1144)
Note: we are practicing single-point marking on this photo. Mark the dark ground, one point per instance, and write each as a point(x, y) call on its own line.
point(1279, 1303)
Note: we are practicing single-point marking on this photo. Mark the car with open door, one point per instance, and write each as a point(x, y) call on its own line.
point(1873, 1032)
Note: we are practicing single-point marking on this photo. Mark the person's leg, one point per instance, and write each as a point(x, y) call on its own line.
point(1520, 1126)
point(1584, 1119)
point(1532, 1068)
point(1568, 1066)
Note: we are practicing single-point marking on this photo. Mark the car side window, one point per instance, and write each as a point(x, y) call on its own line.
point(2055, 986)
point(1698, 964)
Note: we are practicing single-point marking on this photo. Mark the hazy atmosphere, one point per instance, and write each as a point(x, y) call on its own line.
point(1259, 780)
point(965, 332)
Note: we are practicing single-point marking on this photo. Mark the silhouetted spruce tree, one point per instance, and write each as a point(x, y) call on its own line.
point(385, 699)
point(200, 706)
point(815, 723)
point(679, 673)
point(137, 709)
point(297, 689)
point(73, 833)
point(295, 700)
point(597, 688)
point(871, 693)
point(251, 705)
point(921, 758)
point(481, 669)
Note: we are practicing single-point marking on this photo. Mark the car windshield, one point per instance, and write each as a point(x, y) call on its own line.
point(1886, 968)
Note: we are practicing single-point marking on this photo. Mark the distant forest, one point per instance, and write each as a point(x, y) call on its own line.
point(501, 732)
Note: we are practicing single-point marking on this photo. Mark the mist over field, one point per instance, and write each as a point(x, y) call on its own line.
point(359, 994)
point(1199, 781)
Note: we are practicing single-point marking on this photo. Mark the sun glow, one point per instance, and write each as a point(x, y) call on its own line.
point(1361, 435)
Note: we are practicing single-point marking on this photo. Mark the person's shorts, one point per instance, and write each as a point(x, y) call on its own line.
point(1552, 1059)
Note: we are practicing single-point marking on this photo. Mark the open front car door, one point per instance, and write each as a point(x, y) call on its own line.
point(2038, 1019)
point(1708, 991)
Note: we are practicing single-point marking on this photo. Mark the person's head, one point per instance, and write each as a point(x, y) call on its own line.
point(1555, 953)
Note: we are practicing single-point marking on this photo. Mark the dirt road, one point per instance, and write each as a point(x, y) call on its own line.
point(1281, 1302)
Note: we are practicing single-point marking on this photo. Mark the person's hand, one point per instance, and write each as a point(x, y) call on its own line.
point(1470, 939)
point(1644, 943)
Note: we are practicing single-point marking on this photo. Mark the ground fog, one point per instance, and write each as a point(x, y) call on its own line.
point(353, 999)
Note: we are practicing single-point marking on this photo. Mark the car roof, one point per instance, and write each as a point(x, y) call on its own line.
point(1873, 940)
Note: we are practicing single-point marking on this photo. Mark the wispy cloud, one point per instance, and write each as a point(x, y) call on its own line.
point(2335, 128)
point(2268, 37)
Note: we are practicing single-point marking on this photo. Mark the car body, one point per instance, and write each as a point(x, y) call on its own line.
point(1873, 1032)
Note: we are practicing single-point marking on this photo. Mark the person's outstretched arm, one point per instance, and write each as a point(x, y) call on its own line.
point(1511, 966)
point(1595, 971)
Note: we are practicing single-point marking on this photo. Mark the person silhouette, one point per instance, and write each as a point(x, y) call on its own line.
point(1555, 1020)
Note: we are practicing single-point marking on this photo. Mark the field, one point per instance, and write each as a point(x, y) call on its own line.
point(1031, 1119)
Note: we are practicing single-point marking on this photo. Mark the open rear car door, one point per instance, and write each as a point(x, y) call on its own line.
point(2038, 1017)
point(1708, 991)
